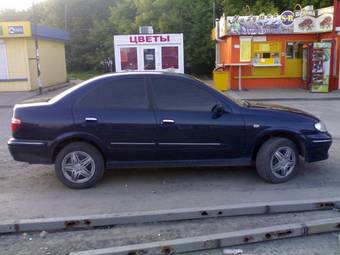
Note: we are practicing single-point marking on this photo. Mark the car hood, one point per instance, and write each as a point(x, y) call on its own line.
point(275, 107)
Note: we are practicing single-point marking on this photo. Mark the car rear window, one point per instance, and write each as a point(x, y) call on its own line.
point(127, 93)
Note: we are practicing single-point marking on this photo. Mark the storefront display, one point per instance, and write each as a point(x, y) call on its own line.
point(320, 64)
point(150, 52)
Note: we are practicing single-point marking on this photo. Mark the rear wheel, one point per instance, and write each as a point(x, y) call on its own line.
point(277, 160)
point(79, 165)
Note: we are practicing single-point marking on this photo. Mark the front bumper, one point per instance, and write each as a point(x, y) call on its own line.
point(317, 147)
point(33, 152)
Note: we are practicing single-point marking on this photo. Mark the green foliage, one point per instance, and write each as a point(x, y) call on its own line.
point(92, 24)
point(83, 75)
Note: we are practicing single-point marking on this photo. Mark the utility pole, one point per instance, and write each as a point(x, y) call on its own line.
point(216, 44)
point(65, 15)
point(37, 56)
point(214, 13)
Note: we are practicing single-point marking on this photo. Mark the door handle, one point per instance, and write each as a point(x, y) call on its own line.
point(167, 121)
point(91, 119)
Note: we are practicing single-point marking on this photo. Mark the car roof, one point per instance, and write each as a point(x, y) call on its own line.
point(117, 75)
point(152, 73)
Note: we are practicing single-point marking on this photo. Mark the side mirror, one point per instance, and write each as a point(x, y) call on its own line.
point(217, 111)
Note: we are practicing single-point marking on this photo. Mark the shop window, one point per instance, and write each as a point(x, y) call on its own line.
point(128, 58)
point(294, 50)
point(169, 57)
point(266, 53)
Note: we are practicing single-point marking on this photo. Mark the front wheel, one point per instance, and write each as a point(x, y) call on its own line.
point(277, 160)
point(79, 165)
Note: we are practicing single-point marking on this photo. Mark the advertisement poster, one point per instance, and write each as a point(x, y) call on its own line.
point(325, 19)
point(245, 49)
point(222, 29)
point(254, 25)
point(313, 21)
point(15, 29)
point(321, 66)
point(306, 20)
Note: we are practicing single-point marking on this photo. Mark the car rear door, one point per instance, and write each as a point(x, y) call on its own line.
point(117, 111)
point(185, 127)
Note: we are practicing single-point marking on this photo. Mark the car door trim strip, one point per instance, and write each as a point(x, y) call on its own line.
point(127, 143)
point(25, 143)
point(322, 141)
point(192, 144)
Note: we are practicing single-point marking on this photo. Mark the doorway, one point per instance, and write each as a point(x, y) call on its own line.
point(3, 62)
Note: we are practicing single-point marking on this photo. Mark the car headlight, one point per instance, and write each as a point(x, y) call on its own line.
point(320, 126)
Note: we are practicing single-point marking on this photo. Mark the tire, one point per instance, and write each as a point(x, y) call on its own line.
point(79, 165)
point(268, 165)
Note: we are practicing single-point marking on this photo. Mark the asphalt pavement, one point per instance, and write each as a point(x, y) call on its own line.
point(33, 191)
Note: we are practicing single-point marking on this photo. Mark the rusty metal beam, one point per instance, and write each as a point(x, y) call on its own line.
point(221, 240)
point(78, 222)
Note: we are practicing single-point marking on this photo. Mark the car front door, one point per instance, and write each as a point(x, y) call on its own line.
point(117, 111)
point(186, 129)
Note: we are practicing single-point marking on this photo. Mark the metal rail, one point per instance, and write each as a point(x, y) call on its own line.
point(78, 222)
point(221, 240)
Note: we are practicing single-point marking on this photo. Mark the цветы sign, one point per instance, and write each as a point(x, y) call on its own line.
point(147, 39)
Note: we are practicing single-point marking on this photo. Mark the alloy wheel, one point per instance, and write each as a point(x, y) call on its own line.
point(283, 162)
point(78, 167)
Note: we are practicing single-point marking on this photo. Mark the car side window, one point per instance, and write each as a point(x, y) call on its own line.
point(181, 95)
point(124, 93)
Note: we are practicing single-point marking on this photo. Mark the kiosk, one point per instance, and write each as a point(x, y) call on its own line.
point(149, 52)
point(294, 49)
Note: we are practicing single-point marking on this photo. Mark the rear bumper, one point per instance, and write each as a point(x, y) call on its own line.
point(33, 152)
point(317, 147)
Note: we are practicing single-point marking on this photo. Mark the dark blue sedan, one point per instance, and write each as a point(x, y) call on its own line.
point(161, 120)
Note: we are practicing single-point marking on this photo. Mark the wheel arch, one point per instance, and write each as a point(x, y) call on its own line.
point(279, 134)
point(63, 141)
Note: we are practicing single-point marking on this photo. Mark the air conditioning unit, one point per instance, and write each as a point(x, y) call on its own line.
point(146, 30)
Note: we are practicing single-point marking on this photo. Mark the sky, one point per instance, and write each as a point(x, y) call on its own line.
point(17, 4)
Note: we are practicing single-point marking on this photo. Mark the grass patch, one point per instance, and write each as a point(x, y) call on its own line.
point(82, 75)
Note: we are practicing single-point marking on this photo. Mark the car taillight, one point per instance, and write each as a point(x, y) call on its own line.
point(15, 124)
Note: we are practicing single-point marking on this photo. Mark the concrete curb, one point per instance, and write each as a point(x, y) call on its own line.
point(72, 223)
point(221, 240)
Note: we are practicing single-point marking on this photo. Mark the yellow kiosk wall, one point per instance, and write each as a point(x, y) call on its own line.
point(18, 56)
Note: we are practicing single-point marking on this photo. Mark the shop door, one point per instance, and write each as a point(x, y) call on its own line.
point(149, 59)
point(305, 67)
point(3, 62)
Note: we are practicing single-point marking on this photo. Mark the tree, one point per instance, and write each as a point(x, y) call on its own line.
point(192, 18)
point(92, 24)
